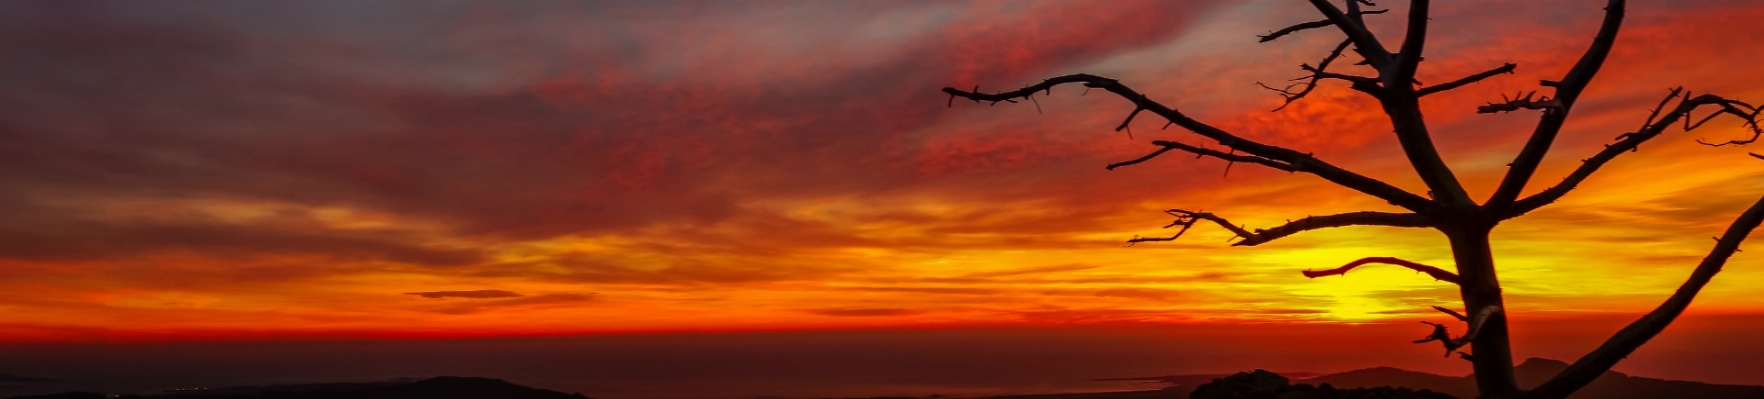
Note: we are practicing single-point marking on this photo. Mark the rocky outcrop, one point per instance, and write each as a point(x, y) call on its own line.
point(1261, 384)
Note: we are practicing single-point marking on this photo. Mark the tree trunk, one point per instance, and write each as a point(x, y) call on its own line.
point(1480, 289)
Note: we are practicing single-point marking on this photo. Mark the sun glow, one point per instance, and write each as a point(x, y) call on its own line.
point(733, 183)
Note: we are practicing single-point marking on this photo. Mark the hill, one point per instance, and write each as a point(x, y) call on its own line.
point(1534, 371)
point(1611, 385)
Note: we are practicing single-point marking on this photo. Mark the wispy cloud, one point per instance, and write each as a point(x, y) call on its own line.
point(478, 294)
point(715, 165)
point(530, 302)
point(864, 312)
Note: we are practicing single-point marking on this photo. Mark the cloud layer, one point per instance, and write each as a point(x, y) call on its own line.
point(266, 168)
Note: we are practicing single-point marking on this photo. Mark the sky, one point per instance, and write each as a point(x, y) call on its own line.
point(211, 171)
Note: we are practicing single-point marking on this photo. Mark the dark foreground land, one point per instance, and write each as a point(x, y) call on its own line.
point(1373, 383)
point(433, 388)
point(1363, 384)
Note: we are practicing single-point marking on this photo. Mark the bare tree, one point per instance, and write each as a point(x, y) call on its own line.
point(1446, 207)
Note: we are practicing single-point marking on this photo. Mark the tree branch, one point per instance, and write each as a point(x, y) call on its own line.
point(1436, 273)
point(1187, 219)
point(1629, 142)
point(1518, 102)
point(1408, 57)
point(1476, 323)
point(1204, 152)
point(1399, 102)
point(1567, 91)
point(1452, 344)
point(1300, 161)
point(1592, 365)
point(1508, 68)
point(1349, 23)
point(1304, 26)
point(1443, 336)
point(1440, 333)
point(1735, 108)
point(1318, 73)
point(1453, 313)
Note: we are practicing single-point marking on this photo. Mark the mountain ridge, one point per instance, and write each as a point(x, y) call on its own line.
point(1611, 385)
point(1531, 372)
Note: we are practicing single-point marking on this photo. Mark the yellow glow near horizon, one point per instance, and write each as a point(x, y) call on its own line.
point(695, 191)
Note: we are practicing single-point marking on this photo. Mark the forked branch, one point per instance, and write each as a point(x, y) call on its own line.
point(1299, 161)
point(1592, 365)
point(1435, 272)
point(1630, 141)
point(1318, 73)
point(1441, 334)
point(1397, 97)
point(1735, 108)
point(1568, 90)
point(1522, 101)
point(1445, 338)
point(1187, 219)
point(1349, 23)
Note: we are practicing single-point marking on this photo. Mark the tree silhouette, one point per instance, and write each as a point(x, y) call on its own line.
point(1446, 206)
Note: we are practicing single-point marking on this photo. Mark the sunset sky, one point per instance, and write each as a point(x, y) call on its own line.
point(224, 170)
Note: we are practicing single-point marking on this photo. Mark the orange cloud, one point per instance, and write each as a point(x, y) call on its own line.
point(715, 168)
